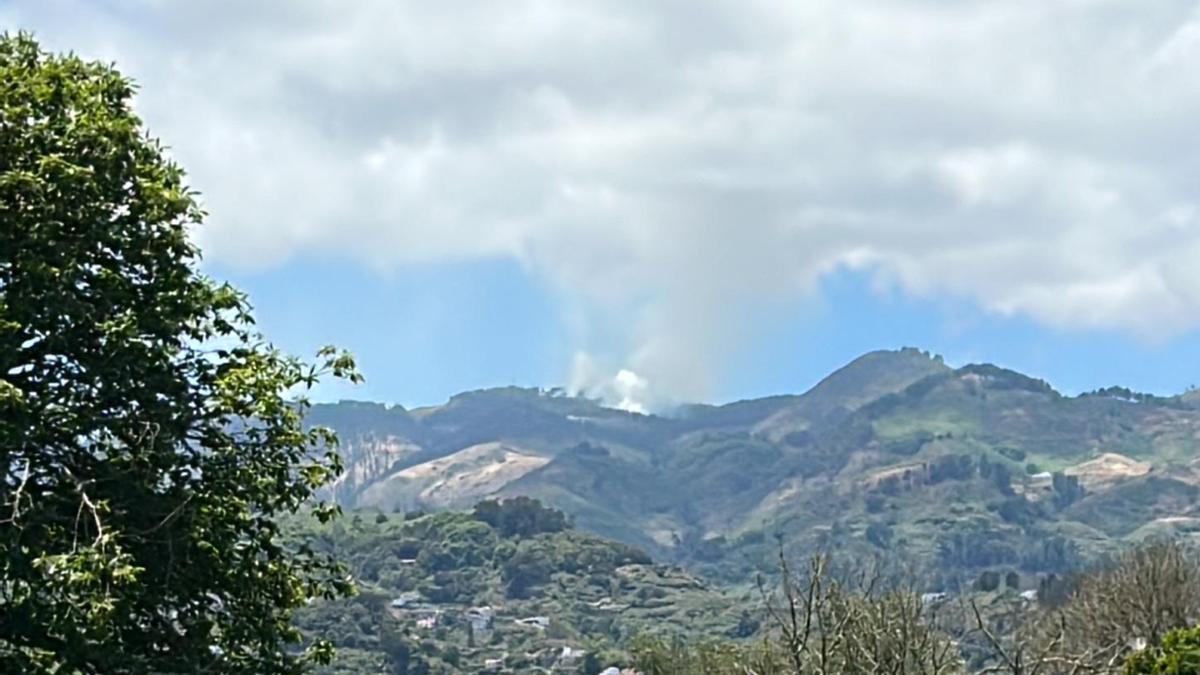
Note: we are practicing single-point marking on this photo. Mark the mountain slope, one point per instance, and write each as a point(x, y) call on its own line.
point(456, 480)
point(452, 591)
point(861, 381)
point(957, 469)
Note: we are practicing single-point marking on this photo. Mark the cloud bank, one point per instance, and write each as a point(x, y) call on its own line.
point(671, 166)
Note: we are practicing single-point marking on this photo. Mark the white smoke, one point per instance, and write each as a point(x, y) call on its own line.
point(623, 389)
point(632, 390)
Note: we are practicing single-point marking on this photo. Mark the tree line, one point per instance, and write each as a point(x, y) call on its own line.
point(1134, 614)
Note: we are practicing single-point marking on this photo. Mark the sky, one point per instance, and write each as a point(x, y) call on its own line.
point(668, 201)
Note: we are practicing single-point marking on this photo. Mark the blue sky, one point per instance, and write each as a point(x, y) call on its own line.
point(421, 333)
point(426, 332)
point(655, 202)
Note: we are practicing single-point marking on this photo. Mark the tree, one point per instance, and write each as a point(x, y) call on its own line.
point(149, 436)
point(747, 625)
point(530, 566)
point(591, 664)
point(1140, 597)
point(1178, 655)
point(657, 655)
point(987, 581)
point(879, 534)
point(520, 517)
point(854, 625)
point(1134, 608)
point(818, 623)
point(1067, 489)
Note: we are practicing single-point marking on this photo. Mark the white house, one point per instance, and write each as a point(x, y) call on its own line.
point(538, 622)
point(405, 599)
point(480, 618)
point(569, 656)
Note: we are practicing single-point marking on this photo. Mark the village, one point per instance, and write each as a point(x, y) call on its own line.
point(553, 653)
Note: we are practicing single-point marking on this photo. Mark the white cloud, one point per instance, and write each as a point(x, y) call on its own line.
point(671, 166)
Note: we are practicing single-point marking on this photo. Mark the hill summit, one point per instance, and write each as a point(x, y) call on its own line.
point(959, 469)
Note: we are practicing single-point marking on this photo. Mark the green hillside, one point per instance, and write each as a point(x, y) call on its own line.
point(953, 471)
point(511, 584)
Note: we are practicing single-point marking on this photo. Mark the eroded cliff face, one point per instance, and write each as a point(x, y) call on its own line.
point(367, 460)
point(455, 481)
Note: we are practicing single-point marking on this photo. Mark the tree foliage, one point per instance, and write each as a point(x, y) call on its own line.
point(1140, 597)
point(149, 436)
point(1178, 655)
point(1133, 607)
point(520, 516)
point(818, 624)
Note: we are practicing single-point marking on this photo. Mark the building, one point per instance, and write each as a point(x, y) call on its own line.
point(538, 622)
point(569, 656)
point(480, 618)
point(933, 598)
point(405, 599)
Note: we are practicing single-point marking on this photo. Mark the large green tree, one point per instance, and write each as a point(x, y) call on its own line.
point(149, 436)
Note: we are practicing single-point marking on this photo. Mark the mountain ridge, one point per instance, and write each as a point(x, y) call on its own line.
point(864, 460)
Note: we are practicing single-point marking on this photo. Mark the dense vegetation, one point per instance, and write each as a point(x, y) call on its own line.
point(1130, 614)
point(149, 438)
point(505, 561)
point(448, 592)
